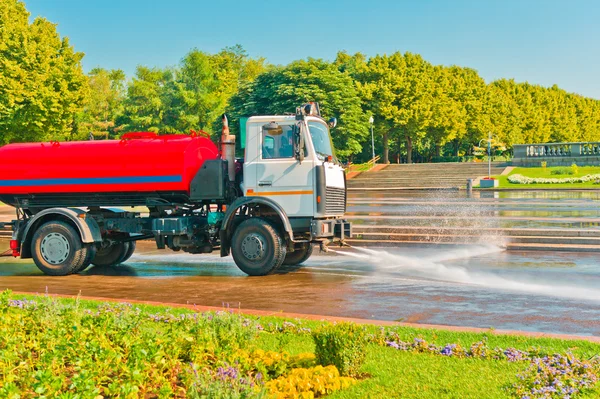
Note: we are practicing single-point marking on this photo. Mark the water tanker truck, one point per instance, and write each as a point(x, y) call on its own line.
point(88, 202)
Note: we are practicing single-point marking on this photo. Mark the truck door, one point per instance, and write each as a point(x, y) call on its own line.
point(279, 175)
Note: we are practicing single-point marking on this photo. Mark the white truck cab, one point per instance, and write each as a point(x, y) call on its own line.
point(292, 179)
point(272, 167)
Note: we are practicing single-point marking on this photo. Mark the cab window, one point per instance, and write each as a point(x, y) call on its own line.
point(278, 144)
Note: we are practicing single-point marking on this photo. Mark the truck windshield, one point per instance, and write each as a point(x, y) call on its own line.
point(321, 140)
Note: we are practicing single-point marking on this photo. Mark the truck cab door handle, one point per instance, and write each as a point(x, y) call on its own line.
point(264, 183)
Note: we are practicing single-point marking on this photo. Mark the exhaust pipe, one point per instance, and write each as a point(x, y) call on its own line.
point(228, 148)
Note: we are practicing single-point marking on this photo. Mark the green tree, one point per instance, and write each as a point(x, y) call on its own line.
point(104, 104)
point(281, 90)
point(149, 97)
point(42, 85)
point(189, 97)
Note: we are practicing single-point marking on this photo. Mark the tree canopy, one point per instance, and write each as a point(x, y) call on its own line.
point(282, 89)
point(42, 84)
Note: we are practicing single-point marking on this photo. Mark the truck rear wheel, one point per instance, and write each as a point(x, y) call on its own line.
point(298, 256)
point(130, 251)
point(257, 248)
point(57, 250)
point(111, 255)
point(90, 251)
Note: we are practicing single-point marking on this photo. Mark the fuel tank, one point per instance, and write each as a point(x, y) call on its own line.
point(138, 163)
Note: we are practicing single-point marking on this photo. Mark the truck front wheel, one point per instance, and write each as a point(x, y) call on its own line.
point(111, 255)
point(257, 248)
point(57, 250)
point(299, 256)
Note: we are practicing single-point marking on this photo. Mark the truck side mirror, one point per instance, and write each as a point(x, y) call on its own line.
point(332, 122)
point(298, 144)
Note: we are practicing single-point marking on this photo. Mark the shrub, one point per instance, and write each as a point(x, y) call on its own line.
point(574, 168)
point(561, 171)
point(342, 345)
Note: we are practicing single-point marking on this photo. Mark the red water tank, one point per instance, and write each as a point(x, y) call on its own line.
point(140, 162)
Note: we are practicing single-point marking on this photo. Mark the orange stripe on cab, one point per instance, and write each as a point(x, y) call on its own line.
point(251, 192)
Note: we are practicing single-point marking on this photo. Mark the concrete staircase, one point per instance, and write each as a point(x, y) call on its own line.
point(579, 240)
point(423, 176)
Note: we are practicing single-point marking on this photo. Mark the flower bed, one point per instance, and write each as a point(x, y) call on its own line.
point(520, 179)
point(65, 348)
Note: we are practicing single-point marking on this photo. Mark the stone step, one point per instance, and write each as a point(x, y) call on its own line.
point(467, 165)
point(487, 203)
point(376, 180)
point(411, 184)
point(358, 191)
point(432, 171)
point(473, 238)
point(509, 246)
point(486, 231)
point(459, 216)
point(434, 168)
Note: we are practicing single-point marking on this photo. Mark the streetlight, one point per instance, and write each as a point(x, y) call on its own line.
point(371, 120)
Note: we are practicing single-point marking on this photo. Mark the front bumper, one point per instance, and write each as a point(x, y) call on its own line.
point(332, 229)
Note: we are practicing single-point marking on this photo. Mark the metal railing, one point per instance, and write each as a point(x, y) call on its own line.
point(556, 150)
point(363, 167)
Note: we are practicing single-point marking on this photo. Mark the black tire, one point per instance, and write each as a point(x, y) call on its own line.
point(56, 249)
point(111, 255)
point(130, 251)
point(257, 248)
point(299, 256)
point(90, 253)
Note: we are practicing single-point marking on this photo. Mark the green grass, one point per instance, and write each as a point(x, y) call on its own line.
point(63, 336)
point(547, 173)
point(360, 167)
point(409, 375)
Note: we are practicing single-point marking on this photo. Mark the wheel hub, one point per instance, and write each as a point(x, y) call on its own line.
point(254, 246)
point(55, 248)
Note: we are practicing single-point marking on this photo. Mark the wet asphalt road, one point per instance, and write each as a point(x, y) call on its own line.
point(476, 286)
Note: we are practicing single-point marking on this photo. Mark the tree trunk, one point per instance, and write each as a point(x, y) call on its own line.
point(386, 148)
point(456, 147)
point(437, 150)
point(399, 150)
point(409, 144)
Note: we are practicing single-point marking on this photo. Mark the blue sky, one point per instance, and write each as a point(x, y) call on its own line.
point(543, 42)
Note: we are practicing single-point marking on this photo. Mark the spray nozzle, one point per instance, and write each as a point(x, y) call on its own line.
point(323, 247)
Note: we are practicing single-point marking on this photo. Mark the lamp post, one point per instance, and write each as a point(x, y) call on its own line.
point(371, 120)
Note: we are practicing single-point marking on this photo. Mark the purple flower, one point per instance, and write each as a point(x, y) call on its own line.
point(22, 303)
point(515, 355)
point(393, 344)
point(447, 350)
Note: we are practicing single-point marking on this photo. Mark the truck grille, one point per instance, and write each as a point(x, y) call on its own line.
point(335, 201)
